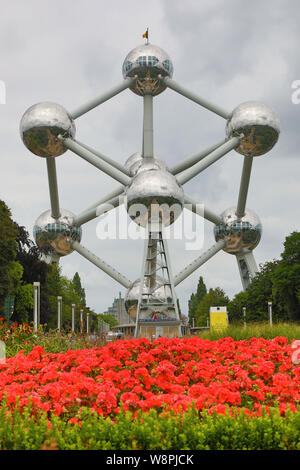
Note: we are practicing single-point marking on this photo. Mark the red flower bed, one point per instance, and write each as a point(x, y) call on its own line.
point(170, 373)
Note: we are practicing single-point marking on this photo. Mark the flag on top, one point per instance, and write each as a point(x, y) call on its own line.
point(145, 35)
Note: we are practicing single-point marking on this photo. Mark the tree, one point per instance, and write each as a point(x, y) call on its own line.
point(33, 269)
point(286, 278)
point(8, 250)
point(214, 297)
point(79, 289)
point(110, 319)
point(195, 299)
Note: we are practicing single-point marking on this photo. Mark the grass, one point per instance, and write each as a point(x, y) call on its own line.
point(259, 330)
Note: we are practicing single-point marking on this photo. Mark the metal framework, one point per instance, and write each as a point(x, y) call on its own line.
point(252, 129)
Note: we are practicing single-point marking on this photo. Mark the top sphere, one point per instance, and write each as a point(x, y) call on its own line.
point(40, 126)
point(259, 124)
point(147, 62)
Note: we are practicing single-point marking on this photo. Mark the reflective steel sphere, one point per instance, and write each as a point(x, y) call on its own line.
point(259, 124)
point(151, 191)
point(147, 62)
point(244, 233)
point(136, 163)
point(40, 126)
point(160, 295)
point(54, 236)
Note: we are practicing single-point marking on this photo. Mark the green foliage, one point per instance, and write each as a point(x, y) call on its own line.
point(277, 281)
point(24, 301)
point(196, 298)
point(79, 289)
point(8, 250)
point(110, 319)
point(214, 297)
point(291, 331)
point(148, 431)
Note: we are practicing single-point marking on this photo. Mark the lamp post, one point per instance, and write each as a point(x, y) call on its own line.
point(87, 322)
point(81, 321)
point(270, 313)
point(244, 316)
point(59, 312)
point(73, 318)
point(36, 305)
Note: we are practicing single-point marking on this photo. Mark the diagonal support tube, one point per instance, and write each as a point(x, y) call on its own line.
point(209, 160)
point(244, 186)
point(148, 127)
point(108, 160)
point(53, 189)
point(199, 262)
point(116, 192)
point(94, 160)
point(247, 268)
point(208, 214)
point(102, 98)
point(101, 264)
point(196, 98)
point(90, 214)
point(188, 162)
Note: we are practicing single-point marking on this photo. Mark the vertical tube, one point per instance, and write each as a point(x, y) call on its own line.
point(73, 318)
point(81, 321)
point(59, 316)
point(270, 313)
point(244, 186)
point(87, 322)
point(53, 189)
point(244, 316)
point(35, 306)
point(148, 126)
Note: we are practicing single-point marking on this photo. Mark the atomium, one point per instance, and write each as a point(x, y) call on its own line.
point(242, 234)
point(54, 236)
point(40, 126)
point(148, 63)
point(152, 190)
point(152, 193)
point(259, 125)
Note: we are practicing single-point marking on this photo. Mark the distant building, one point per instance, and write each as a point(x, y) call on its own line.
point(118, 311)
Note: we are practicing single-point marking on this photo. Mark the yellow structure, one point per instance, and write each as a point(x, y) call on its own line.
point(218, 318)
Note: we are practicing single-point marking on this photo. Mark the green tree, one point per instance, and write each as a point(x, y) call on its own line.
point(8, 251)
point(79, 289)
point(34, 269)
point(214, 297)
point(110, 319)
point(196, 298)
point(286, 278)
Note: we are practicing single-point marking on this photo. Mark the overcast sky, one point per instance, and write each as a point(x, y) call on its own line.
point(228, 51)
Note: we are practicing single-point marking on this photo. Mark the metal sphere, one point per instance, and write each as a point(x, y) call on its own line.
point(40, 126)
point(161, 294)
point(259, 124)
point(147, 62)
point(54, 236)
point(136, 163)
point(152, 190)
point(243, 233)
